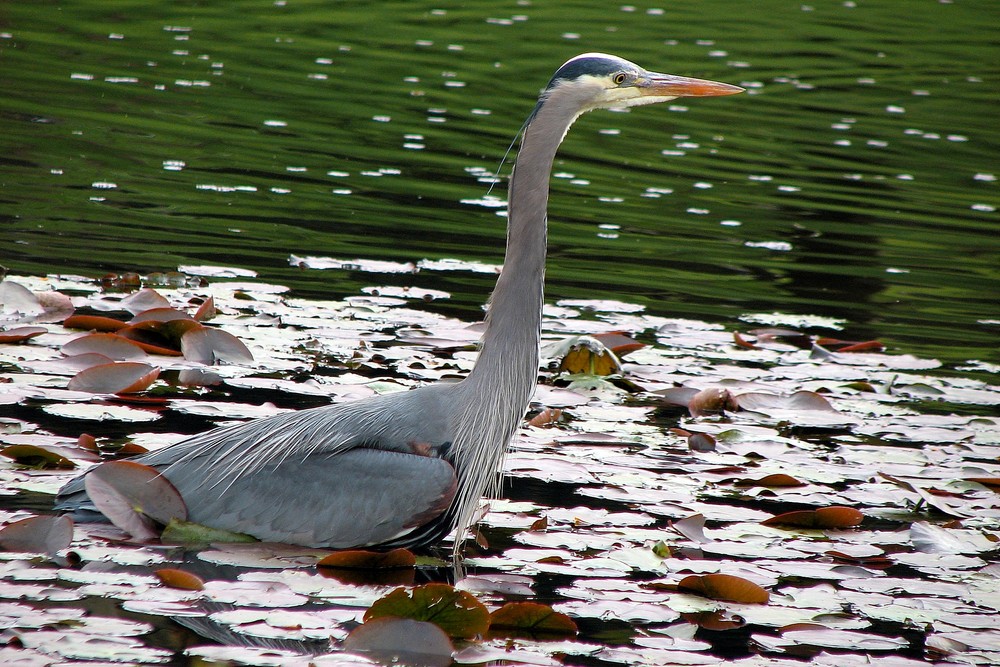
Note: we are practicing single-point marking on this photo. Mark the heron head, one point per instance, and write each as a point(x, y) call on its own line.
point(601, 81)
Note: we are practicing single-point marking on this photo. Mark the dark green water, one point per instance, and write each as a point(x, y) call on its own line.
point(855, 182)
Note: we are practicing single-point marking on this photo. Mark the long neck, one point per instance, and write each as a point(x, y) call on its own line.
point(509, 355)
point(497, 391)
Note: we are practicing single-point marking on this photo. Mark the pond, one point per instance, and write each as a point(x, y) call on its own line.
point(312, 163)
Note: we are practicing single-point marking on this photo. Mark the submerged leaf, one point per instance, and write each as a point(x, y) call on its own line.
point(403, 641)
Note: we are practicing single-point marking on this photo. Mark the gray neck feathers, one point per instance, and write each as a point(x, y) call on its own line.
point(497, 391)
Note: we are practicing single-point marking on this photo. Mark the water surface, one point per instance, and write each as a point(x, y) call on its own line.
point(855, 183)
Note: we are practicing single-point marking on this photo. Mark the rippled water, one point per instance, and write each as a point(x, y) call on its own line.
point(856, 183)
point(852, 191)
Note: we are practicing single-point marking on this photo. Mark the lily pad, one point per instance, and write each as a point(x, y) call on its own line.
point(38, 534)
point(456, 612)
point(133, 496)
point(532, 618)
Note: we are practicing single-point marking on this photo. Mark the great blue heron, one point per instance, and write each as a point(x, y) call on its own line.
point(405, 469)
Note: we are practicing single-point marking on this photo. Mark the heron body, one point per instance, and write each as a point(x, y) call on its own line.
point(406, 469)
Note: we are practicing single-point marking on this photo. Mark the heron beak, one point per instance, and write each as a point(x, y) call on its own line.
point(668, 85)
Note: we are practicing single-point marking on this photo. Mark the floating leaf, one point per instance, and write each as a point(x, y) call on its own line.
point(156, 337)
point(403, 641)
point(38, 534)
point(70, 365)
point(56, 305)
point(712, 401)
point(121, 282)
point(539, 524)
point(110, 345)
point(992, 483)
point(533, 618)
point(124, 377)
point(850, 345)
point(126, 449)
point(692, 527)
point(21, 334)
point(357, 559)
point(132, 495)
point(743, 342)
point(179, 531)
point(701, 442)
point(93, 323)
point(36, 457)
point(546, 417)
point(179, 579)
point(787, 336)
point(677, 395)
point(207, 346)
point(206, 310)
point(17, 299)
point(824, 517)
point(456, 612)
point(144, 299)
point(775, 480)
point(719, 620)
point(877, 561)
point(662, 549)
point(165, 314)
point(861, 385)
point(799, 400)
point(725, 587)
point(87, 442)
point(619, 343)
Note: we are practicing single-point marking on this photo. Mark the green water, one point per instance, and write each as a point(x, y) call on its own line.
point(856, 181)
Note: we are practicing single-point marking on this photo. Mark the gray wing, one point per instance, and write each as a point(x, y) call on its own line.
point(344, 475)
point(361, 497)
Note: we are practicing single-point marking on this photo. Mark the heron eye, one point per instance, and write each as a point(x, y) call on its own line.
point(619, 78)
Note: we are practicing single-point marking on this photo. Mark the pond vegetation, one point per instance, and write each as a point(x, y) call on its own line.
point(765, 431)
point(708, 493)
